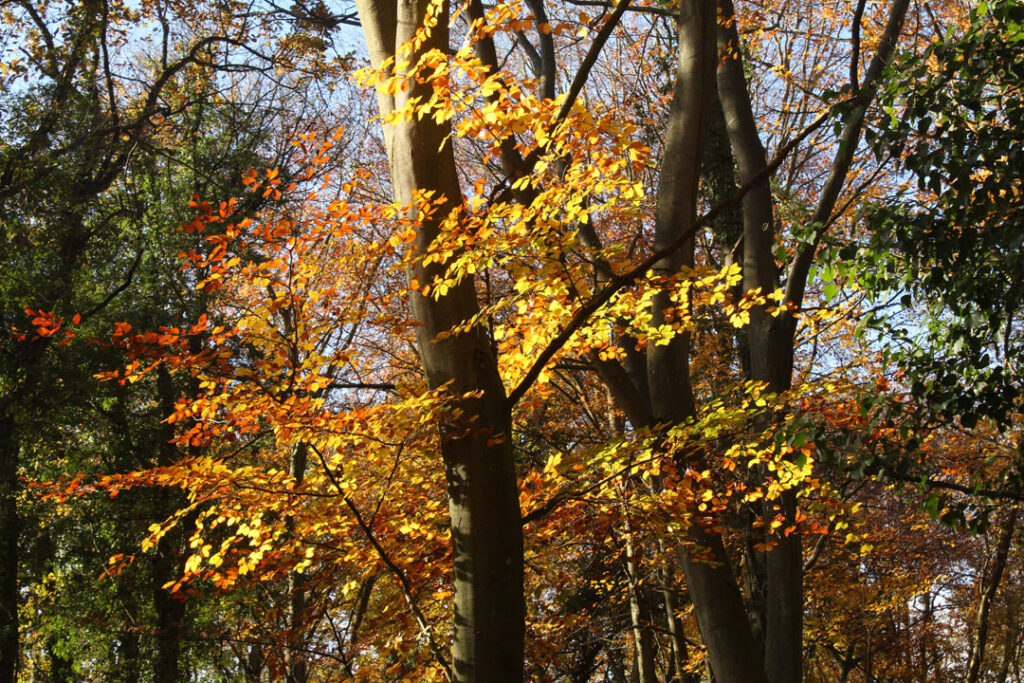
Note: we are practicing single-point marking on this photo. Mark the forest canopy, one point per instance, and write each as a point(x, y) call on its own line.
point(590, 340)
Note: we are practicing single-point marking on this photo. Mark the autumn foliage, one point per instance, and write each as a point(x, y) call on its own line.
point(586, 312)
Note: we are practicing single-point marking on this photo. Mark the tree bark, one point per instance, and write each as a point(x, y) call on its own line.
point(9, 529)
point(988, 596)
point(718, 605)
point(476, 448)
point(296, 656)
point(771, 339)
point(643, 642)
point(169, 608)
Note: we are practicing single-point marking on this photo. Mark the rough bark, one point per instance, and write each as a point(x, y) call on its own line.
point(476, 448)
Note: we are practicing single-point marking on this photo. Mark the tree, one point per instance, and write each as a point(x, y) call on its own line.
point(955, 124)
point(94, 121)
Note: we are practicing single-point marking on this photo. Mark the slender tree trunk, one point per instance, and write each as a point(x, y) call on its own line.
point(9, 529)
point(988, 596)
point(483, 499)
point(296, 657)
point(166, 566)
point(128, 638)
point(126, 509)
point(252, 665)
point(642, 638)
point(1010, 642)
point(680, 654)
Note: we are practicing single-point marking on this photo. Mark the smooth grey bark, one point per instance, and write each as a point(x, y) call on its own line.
point(988, 596)
point(718, 605)
point(476, 448)
point(769, 361)
point(771, 339)
point(548, 66)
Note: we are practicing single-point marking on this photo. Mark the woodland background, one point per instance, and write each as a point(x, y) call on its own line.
point(556, 341)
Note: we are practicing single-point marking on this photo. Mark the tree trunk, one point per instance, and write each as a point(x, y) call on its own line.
point(128, 638)
point(680, 655)
point(252, 664)
point(170, 611)
point(169, 608)
point(9, 527)
point(718, 605)
point(771, 339)
point(1010, 642)
point(476, 448)
point(769, 362)
point(296, 655)
point(643, 641)
point(981, 622)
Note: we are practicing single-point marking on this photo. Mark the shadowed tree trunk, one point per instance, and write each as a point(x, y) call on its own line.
point(297, 669)
point(988, 596)
point(8, 546)
point(169, 608)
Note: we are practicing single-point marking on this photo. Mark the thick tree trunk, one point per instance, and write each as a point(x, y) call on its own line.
point(476, 447)
point(770, 339)
point(769, 361)
point(170, 611)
